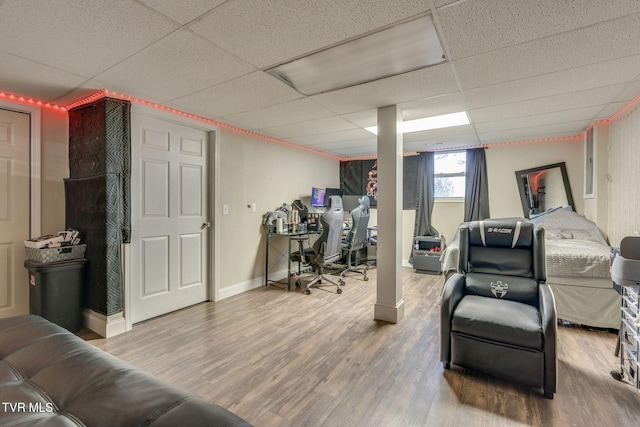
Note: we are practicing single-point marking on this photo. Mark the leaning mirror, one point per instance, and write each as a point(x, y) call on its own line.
point(543, 188)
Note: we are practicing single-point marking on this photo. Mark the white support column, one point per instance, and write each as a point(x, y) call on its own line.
point(389, 306)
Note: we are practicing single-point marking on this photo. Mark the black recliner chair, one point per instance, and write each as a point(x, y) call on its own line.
point(497, 314)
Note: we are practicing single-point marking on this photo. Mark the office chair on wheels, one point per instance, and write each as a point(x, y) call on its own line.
point(497, 314)
point(327, 249)
point(356, 239)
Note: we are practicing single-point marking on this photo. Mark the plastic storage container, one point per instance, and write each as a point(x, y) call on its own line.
point(56, 291)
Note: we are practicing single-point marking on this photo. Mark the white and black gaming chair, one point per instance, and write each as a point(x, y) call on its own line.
point(327, 249)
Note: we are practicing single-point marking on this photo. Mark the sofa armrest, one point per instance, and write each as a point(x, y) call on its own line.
point(451, 295)
point(549, 328)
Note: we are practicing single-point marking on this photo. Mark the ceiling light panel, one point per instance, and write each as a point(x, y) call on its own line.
point(395, 50)
point(428, 123)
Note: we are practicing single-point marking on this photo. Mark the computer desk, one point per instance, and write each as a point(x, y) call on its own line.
point(290, 236)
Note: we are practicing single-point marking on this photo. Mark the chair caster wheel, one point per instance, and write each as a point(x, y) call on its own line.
point(341, 282)
point(339, 291)
point(297, 283)
point(366, 278)
point(308, 292)
point(617, 375)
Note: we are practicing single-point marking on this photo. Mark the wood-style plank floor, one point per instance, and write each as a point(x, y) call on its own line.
point(279, 358)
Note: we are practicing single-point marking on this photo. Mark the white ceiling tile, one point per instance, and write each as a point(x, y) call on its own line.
point(280, 114)
point(576, 79)
point(246, 93)
point(36, 80)
point(610, 110)
point(269, 35)
point(549, 104)
point(341, 136)
point(181, 62)
point(182, 11)
point(364, 118)
point(438, 134)
point(433, 106)
point(597, 43)
point(585, 114)
point(630, 91)
point(425, 83)
point(473, 27)
point(562, 130)
point(82, 38)
point(311, 127)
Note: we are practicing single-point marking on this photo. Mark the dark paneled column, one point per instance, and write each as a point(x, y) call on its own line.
point(98, 195)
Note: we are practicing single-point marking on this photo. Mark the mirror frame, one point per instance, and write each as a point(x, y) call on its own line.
point(565, 179)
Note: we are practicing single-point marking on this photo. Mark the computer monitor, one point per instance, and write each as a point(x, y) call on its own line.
point(349, 203)
point(331, 192)
point(317, 197)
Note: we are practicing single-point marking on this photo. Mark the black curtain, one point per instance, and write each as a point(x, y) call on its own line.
point(476, 195)
point(424, 197)
point(424, 205)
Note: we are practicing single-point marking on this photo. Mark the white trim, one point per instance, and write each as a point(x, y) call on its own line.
point(105, 326)
point(448, 200)
point(126, 284)
point(239, 288)
point(388, 313)
point(214, 207)
point(35, 181)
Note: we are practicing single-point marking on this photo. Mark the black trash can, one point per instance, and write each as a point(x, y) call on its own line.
point(56, 291)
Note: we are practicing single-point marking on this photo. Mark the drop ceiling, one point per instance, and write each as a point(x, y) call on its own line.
point(522, 69)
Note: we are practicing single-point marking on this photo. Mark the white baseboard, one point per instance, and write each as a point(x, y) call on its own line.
point(389, 314)
point(105, 326)
point(239, 288)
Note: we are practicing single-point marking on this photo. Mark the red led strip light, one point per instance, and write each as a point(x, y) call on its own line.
point(104, 93)
point(29, 101)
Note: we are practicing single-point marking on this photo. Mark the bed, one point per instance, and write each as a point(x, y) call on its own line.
point(577, 269)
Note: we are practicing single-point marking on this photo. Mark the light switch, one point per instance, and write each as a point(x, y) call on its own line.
point(225, 209)
point(254, 207)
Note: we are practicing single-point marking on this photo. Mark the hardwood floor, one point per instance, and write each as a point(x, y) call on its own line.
point(279, 358)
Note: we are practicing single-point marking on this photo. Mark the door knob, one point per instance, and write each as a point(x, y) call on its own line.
point(206, 224)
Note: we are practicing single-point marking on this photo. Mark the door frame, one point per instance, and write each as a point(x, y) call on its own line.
point(213, 181)
point(35, 182)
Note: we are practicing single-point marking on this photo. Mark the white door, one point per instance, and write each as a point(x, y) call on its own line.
point(14, 211)
point(169, 213)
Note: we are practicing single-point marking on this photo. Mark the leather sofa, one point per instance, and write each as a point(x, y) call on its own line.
point(50, 377)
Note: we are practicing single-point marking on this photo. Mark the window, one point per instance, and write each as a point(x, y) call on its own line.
point(449, 170)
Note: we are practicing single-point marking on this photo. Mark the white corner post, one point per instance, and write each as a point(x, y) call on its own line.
point(389, 305)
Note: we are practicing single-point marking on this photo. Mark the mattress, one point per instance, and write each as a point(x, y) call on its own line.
point(577, 258)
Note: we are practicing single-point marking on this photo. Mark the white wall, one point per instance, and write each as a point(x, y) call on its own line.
point(596, 205)
point(624, 173)
point(253, 170)
point(504, 160)
point(54, 168)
